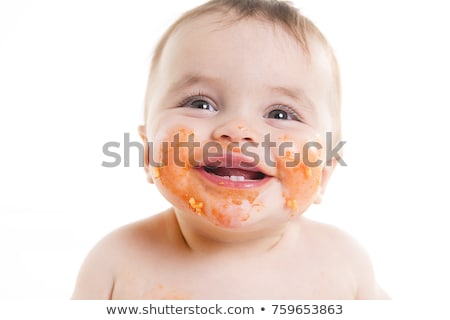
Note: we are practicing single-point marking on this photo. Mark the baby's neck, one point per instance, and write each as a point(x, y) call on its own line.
point(207, 240)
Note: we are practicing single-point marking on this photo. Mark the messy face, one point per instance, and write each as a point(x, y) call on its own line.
point(238, 115)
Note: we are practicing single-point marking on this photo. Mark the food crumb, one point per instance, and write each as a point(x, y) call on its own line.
point(292, 204)
point(197, 206)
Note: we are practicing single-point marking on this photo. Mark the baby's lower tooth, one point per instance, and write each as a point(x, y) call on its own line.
point(241, 178)
point(237, 178)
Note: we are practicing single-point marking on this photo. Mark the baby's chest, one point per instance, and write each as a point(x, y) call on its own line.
point(233, 283)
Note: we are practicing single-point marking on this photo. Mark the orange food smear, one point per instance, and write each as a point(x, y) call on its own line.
point(237, 201)
point(203, 198)
point(307, 172)
point(222, 219)
point(245, 217)
point(300, 182)
point(156, 172)
point(288, 156)
point(258, 206)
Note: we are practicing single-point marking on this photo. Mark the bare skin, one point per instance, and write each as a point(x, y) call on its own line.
point(151, 259)
point(240, 239)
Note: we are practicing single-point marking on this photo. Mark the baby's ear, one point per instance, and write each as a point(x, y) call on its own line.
point(327, 171)
point(143, 134)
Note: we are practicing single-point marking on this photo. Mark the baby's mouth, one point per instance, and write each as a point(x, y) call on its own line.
point(235, 178)
point(235, 174)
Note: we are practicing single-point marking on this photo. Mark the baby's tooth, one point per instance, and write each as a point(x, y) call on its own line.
point(237, 178)
point(241, 178)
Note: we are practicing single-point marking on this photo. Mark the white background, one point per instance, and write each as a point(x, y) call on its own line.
point(73, 76)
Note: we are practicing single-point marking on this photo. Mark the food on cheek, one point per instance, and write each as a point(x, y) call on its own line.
point(196, 205)
point(292, 204)
point(155, 172)
point(300, 178)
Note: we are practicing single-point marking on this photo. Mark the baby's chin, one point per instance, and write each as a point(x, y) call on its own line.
point(236, 215)
point(228, 208)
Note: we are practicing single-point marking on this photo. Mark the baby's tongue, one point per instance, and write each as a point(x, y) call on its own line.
point(248, 175)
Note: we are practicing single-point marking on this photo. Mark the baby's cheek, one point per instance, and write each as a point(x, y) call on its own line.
point(300, 177)
point(173, 172)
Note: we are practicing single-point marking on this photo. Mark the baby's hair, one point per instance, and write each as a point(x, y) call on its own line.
point(280, 13)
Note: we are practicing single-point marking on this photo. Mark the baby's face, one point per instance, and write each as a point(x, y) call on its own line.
point(232, 110)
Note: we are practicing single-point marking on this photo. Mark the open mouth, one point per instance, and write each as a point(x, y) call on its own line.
point(236, 178)
point(235, 174)
point(234, 171)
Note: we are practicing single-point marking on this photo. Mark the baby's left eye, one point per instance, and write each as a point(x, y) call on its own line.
point(198, 102)
point(202, 104)
point(283, 113)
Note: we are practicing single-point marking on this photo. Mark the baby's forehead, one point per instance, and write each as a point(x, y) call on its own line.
point(196, 44)
point(218, 25)
point(191, 33)
point(199, 45)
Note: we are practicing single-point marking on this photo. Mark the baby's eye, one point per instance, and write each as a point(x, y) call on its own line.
point(278, 114)
point(199, 104)
point(202, 104)
point(283, 113)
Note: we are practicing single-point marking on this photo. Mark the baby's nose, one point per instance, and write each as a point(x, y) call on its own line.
point(234, 131)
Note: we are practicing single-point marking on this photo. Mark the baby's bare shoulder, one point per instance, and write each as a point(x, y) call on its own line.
point(340, 249)
point(140, 235)
point(332, 237)
point(129, 243)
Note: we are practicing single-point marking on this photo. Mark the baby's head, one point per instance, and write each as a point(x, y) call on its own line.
point(240, 96)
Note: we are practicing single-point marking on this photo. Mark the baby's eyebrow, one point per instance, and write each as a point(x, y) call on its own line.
point(192, 79)
point(296, 94)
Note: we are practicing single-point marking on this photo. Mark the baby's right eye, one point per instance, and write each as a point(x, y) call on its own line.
point(196, 103)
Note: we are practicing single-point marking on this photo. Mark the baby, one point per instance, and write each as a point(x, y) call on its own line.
point(243, 99)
